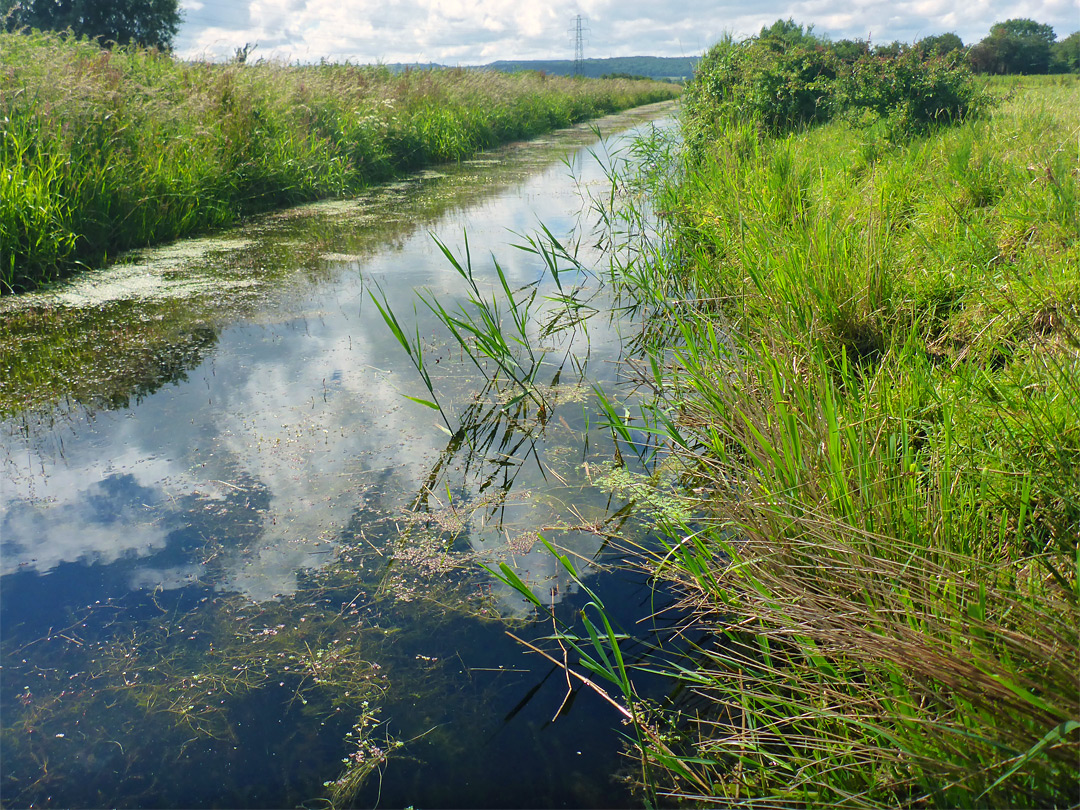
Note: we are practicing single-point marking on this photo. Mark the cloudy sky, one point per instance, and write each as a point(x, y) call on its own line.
point(466, 32)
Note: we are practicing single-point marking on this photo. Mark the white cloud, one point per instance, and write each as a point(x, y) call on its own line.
point(479, 31)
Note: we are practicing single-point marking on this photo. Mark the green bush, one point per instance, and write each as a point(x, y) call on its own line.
point(913, 90)
point(775, 86)
point(780, 85)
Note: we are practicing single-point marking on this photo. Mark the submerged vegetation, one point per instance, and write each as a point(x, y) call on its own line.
point(854, 424)
point(863, 338)
point(106, 150)
point(106, 704)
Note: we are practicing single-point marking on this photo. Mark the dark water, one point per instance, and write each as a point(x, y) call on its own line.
point(240, 566)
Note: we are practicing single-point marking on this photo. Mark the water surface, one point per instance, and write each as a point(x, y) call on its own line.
point(240, 565)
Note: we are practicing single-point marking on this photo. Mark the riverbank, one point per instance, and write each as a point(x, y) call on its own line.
point(114, 149)
point(867, 347)
point(107, 338)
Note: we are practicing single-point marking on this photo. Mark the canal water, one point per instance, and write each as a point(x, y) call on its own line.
point(246, 564)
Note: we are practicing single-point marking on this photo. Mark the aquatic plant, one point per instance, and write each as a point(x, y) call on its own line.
point(137, 695)
point(367, 757)
point(97, 358)
point(499, 331)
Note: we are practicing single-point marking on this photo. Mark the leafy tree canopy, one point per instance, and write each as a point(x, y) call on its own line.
point(940, 43)
point(1025, 29)
point(152, 23)
point(784, 34)
point(1065, 55)
point(891, 50)
point(1014, 46)
point(849, 50)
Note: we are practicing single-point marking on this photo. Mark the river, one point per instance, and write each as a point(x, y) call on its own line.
point(243, 566)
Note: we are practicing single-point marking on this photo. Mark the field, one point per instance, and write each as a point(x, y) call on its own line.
point(106, 150)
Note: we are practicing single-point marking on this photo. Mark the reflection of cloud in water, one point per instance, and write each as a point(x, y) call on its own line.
point(41, 539)
point(180, 576)
point(99, 512)
point(310, 422)
point(306, 423)
point(296, 410)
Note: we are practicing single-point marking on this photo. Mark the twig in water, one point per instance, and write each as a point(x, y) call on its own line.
point(599, 690)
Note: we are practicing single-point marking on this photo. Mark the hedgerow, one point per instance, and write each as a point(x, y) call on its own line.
point(779, 86)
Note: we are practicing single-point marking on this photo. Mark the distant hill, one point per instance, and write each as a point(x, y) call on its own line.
point(655, 67)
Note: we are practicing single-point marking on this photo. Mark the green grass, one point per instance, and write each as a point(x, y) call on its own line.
point(868, 353)
point(105, 150)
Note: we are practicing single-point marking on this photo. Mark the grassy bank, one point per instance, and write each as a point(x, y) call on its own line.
point(106, 150)
point(868, 346)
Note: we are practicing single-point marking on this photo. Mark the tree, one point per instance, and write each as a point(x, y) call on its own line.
point(152, 23)
point(1065, 55)
point(940, 44)
point(892, 50)
point(850, 50)
point(1014, 46)
point(1024, 28)
point(784, 34)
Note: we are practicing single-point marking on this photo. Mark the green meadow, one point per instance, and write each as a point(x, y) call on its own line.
point(105, 150)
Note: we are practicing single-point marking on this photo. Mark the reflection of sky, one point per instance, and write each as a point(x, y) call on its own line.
point(302, 406)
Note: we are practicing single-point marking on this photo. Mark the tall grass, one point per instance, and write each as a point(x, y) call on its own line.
point(109, 149)
point(870, 374)
point(865, 351)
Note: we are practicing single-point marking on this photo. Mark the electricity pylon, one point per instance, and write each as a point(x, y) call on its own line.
point(579, 44)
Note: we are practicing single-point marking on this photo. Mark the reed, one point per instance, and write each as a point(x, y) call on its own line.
point(868, 372)
point(105, 150)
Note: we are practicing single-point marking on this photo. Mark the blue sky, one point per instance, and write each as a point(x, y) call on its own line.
point(467, 32)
